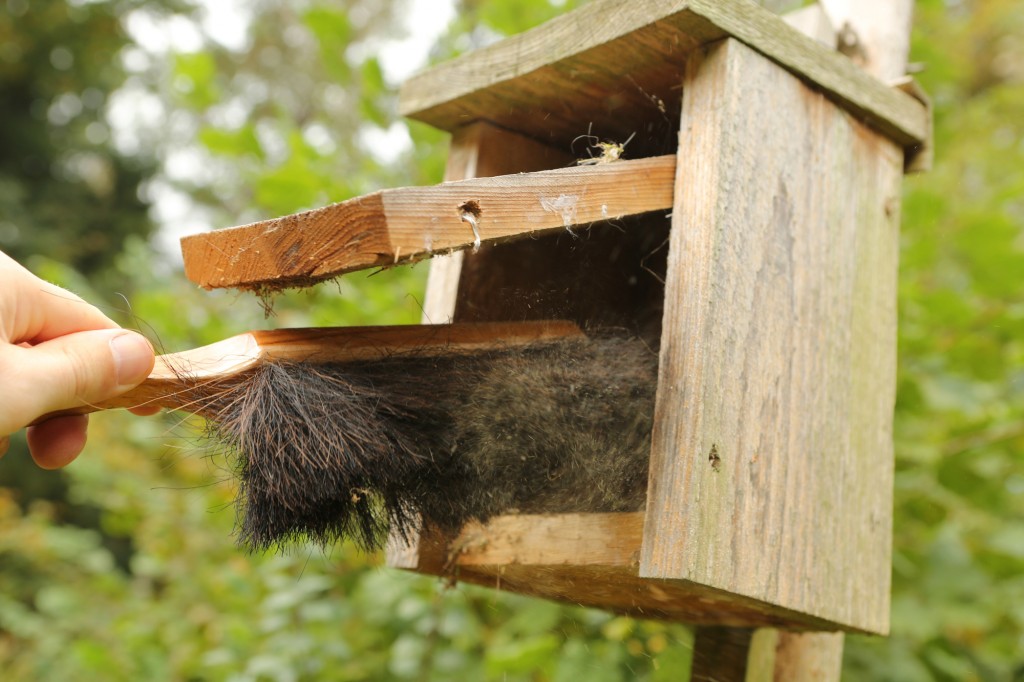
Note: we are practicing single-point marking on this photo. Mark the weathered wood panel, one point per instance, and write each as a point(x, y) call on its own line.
point(585, 559)
point(610, 57)
point(411, 223)
point(771, 468)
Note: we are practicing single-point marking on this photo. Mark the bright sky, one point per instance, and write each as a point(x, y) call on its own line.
point(227, 22)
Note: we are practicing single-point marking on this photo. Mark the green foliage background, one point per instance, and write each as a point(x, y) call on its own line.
point(122, 566)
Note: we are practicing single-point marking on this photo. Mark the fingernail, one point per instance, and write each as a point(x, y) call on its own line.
point(133, 358)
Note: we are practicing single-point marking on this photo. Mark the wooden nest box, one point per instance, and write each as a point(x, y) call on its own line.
point(752, 235)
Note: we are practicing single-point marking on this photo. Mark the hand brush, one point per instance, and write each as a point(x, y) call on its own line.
point(318, 421)
point(345, 433)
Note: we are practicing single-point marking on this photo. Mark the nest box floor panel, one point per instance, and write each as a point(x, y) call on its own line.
point(583, 559)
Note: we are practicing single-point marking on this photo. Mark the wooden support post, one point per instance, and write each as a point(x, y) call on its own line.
point(807, 657)
point(722, 654)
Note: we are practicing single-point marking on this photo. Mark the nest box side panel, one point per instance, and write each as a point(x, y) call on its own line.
point(771, 466)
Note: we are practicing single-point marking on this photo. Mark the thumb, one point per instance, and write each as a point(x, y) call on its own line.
point(72, 370)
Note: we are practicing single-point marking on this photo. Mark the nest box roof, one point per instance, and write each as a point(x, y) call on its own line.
point(601, 64)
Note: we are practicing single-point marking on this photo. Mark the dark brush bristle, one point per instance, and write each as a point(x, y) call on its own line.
point(318, 453)
point(565, 429)
point(350, 450)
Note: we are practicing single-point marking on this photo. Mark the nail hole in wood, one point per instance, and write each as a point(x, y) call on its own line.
point(469, 212)
point(716, 461)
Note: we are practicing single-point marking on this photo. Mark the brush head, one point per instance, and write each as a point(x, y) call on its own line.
point(351, 450)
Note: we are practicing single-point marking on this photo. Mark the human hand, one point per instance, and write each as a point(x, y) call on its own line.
point(58, 352)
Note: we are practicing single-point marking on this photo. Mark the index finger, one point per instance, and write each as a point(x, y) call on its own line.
point(33, 310)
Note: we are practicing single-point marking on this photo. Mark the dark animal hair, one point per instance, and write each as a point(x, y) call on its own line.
point(350, 450)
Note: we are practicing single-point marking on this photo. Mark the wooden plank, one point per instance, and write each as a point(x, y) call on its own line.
point(889, 111)
point(608, 58)
point(882, 28)
point(177, 379)
point(480, 150)
point(585, 559)
point(407, 224)
point(563, 540)
point(771, 465)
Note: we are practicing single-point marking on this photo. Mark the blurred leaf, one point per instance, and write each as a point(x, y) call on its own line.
point(522, 655)
point(238, 142)
point(195, 78)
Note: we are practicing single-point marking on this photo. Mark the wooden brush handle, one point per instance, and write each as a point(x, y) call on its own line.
point(351, 344)
point(175, 376)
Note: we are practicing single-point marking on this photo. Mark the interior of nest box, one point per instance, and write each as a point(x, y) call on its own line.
point(608, 277)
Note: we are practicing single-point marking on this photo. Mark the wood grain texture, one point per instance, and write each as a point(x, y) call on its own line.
point(552, 540)
point(808, 657)
point(480, 150)
point(723, 654)
point(586, 559)
point(771, 465)
point(600, 64)
point(411, 223)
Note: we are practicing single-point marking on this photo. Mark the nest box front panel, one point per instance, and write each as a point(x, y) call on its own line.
point(771, 468)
